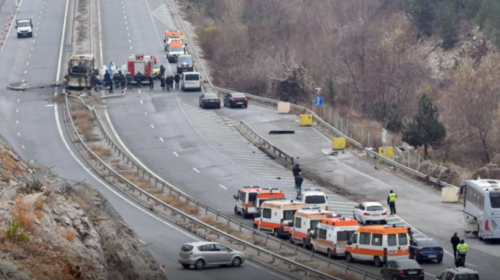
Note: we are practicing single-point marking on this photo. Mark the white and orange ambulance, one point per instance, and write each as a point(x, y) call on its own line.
point(379, 244)
point(274, 215)
point(332, 233)
point(304, 222)
point(249, 199)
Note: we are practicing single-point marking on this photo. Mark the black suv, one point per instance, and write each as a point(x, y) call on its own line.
point(185, 63)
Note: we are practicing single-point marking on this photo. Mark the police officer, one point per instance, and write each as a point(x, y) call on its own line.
point(391, 200)
point(462, 249)
point(410, 235)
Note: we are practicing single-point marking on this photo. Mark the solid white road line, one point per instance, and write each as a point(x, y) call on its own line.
point(152, 126)
point(161, 139)
point(223, 187)
point(176, 154)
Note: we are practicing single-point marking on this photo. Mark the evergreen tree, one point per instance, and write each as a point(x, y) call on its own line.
point(425, 129)
point(449, 26)
point(421, 12)
point(490, 21)
point(393, 121)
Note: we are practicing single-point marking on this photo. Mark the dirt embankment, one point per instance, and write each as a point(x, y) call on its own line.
point(56, 229)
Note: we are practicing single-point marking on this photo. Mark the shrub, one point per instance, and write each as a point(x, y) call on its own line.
point(191, 209)
point(100, 151)
point(35, 186)
point(38, 214)
point(39, 203)
point(15, 233)
point(22, 213)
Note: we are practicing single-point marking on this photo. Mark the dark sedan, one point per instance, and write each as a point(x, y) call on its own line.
point(235, 99)
point(402, 269)
point(209, 100)
point(426, 249)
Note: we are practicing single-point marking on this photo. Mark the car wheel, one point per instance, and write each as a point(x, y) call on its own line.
point(305, 245)
point(394, 278)
point(186, 266)
point(199, 264)
point(378, 262)
point(236, 210)
point(244, 211)
point(348, 257)
point(440, 260)
point(218, 106)
point(236, 262)
point(416, 257)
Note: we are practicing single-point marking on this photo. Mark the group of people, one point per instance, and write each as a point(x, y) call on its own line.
point(169, 82)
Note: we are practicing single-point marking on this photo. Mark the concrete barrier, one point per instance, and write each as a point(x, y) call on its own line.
point(283, 107)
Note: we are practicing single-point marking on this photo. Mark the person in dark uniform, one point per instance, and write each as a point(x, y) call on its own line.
point(107, 78)
point(162, 83)
point(111, 85)
point(129, 81)
point(391, 200)
point(455, 240)
point(296, 170)
point(298, 184)
point(177, 78)
point(151, 83)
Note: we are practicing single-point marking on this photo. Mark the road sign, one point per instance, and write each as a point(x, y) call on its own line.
point(318, 90)
point(318, 101)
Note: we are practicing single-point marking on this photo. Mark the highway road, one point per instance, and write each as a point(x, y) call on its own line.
point(32, 123)
point(200, 152)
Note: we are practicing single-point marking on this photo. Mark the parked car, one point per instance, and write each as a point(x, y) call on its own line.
point(402, 269)
point(426, 249)
point(201, 254)
point(370, 212)
point(459, 273)
point(235, 99)
point(208, 100)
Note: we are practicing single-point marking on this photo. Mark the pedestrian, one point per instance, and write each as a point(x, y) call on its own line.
point(177, 79)
point(162, 70)
point(462, 249)
point(298, 184)
point(138, 78)
point(112, 68)
point(454, 243)
point(162, 82)
point(124, 69)
point(129, 81)
point(459, 262)
point(169, 82)
point(111, 87)
point(410, 235)
point(296, 170)
point(123, 83)
point(151, 83)
point(391, 200)
point(107, 78)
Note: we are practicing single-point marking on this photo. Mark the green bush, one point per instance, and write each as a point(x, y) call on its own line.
point(35, 186)
point(15, 233)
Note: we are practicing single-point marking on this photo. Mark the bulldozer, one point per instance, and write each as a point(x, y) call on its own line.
point(80, 72)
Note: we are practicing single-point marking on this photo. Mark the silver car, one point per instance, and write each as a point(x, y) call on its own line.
point(201, 254)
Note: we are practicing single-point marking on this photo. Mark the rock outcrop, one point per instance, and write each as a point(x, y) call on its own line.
point(56, 229)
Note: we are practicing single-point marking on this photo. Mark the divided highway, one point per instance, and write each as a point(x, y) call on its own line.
point(33, 124)
point(201, 153)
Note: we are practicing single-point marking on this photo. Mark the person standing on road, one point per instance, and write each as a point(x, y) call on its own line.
point(296, 170)
point(169, 82)
point(151, 83)
point(391, 200)
point(124, 69)
point(177, 79)
point(298, 184)
point(462, 249)
point(454, 242)
point(162, 70)
point(162, 83)
point(107, 78)
point(410, 235)
point(111, 87)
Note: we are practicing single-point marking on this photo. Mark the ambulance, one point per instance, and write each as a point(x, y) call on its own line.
point(332, 233)
point(274, 215)
point(314, 198)
point(379, 244)
point(304, 223)
point(250, 198)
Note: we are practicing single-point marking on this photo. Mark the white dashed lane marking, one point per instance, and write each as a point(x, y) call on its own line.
point(196, 170)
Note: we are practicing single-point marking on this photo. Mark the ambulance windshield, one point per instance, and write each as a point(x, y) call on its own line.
point(314, 223)
point(288, 215)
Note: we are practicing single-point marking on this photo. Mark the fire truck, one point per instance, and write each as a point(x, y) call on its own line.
point(143, 64)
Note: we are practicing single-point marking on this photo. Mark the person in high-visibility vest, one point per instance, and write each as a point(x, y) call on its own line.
point(391, 200)
point(462, 249)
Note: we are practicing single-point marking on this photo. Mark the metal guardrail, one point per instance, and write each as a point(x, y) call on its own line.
point(172, 190)
point(269, 144)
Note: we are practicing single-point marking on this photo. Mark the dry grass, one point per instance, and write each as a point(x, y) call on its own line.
point(178, 204)
point(23, 213)
point(39, 203)
point(339, 274)
point(191, 209)
point(82, 125)
point(39, 214)
point(154, 190)
point(47, 192)
point(82, 114)
point(242, 237)
point(207, 220)
point(136, 180)
point(90, 136)
point(101, 151)
point(69, 234)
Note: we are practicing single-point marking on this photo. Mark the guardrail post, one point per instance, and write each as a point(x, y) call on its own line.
point(346, 269)
point(228, 220)
point(328, 263)
point(239, 229)
point(364, 275)
point(281, 243)
point(312, 255)
point(267, 236)
point(217, 216)
point(295, 249)
point(206, 210)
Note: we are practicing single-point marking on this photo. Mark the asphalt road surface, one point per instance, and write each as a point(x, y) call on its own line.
point(32, 123)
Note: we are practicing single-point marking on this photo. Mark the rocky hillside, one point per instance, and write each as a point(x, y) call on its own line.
point(56, 229)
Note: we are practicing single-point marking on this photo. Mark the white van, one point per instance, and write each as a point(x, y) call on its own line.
point(24, 28)
point(314, 198)
point(191, 81)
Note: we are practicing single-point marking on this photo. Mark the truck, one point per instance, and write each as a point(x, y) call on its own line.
point(141, 66)
point(24, 28)
point(80, 73)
